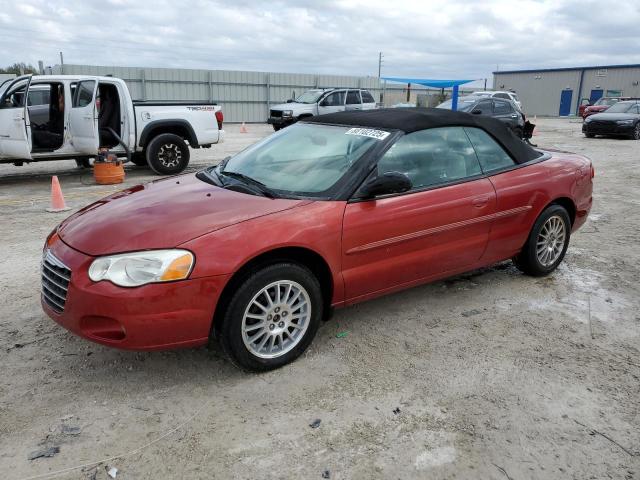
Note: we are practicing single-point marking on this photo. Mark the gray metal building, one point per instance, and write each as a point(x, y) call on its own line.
point(560, 91)
point(244, 96)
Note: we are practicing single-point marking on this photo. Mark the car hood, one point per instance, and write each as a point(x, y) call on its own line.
point(295, 106)
point(162, 214)
point(613, 116)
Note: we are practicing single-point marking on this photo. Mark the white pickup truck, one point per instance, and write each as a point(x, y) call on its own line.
point(73, 117)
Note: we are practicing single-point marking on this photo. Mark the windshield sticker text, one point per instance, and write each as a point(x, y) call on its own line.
point(368, 132)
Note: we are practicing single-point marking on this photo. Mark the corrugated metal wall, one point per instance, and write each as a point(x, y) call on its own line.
point(540, 91)
point(244, 96)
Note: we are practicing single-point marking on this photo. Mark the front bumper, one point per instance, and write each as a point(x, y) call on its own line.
point(280, 120)
point(606, 128)
point(151, 317)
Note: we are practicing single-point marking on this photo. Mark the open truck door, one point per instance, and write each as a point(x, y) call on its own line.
point(15, 129)
point(83, 119)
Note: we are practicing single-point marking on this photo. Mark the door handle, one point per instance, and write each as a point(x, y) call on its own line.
point(514, 115)
point(88, 117)
point(480, 202)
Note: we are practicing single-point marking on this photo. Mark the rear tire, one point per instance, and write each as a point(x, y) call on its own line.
point(167, 154)
point(636, 132)
point(547, 243)
point(272, 317)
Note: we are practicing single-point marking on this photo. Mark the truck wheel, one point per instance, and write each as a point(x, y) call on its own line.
point(139, 159)
point(167, 154)
point(276, 127)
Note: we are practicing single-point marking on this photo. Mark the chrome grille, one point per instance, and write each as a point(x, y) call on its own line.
point(55, 281)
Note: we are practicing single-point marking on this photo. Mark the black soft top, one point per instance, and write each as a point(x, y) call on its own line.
point(411, 120)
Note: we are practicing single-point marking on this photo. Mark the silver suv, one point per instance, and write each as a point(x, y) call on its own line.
point(319, 102)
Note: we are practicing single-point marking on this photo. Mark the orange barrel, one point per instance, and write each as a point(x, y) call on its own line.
point(108, 172)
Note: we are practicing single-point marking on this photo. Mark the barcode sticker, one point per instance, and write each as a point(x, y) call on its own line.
point(368, 132)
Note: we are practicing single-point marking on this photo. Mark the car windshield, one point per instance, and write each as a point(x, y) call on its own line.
point(620, 107)
point(310, 96)
point(304, 159)
point(606, 101)
point(465, 104)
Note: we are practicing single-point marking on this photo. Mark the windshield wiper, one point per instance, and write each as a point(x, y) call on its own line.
point(261, 187)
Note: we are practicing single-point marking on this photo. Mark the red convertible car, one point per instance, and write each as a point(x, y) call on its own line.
point(332, 211)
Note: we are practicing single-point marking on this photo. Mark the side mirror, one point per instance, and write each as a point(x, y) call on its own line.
point(389, 182)
point(290, 100)
point(477, 111)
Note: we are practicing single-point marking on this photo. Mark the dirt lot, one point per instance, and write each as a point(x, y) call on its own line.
point(490, 375)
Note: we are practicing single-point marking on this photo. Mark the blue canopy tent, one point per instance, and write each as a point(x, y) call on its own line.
point(434, 83)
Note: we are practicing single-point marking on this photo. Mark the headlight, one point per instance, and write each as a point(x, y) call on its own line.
point(625, 122)
point(587, 120)
point(287, 113)
point(140, 268)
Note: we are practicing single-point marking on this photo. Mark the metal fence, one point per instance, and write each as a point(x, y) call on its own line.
point(245, 96)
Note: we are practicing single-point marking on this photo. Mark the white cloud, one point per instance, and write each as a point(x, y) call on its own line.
point(458, 38)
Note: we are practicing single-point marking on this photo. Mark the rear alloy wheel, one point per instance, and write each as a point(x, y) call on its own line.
point(547, 242)
point(167, 154)
point(636, 132)
point(272, 318)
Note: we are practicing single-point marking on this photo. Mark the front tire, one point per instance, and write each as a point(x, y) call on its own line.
point(636, 132)
point(83, 162)
point(547, 242)
point(590, 135)
point(167, 154)
point(272, 317)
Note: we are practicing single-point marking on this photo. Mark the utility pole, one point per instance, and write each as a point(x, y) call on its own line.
point(61, 64)
point(385, 83)
point(379, 63)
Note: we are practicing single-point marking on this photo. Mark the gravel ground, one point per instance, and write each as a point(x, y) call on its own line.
point(490, 375)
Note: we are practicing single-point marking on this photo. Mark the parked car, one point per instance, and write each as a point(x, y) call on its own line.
point(620, 119)
point(602, 104)
point(332, 211)
point(499, 94)
point(504, 110)
point(68, 116)
point(320, 102)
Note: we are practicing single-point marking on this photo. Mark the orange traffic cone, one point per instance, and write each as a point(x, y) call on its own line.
point(57, 199)
point(243, 128)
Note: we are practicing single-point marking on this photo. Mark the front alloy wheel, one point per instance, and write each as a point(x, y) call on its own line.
point(276, 319)
point(271, 317)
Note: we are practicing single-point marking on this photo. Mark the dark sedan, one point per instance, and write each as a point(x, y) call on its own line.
point(621, 119)
point(504, 110)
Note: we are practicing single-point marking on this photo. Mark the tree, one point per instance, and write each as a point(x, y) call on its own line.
point(17, 68)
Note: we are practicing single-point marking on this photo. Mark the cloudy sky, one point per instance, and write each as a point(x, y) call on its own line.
point(444, 39)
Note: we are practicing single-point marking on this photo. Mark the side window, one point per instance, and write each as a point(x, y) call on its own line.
point(501, 95)
point(637, 110)
point(83, 94)
point(334, 99)
point(484, 106)
point(367, 97)
point(432, 157)
point(491, 155)
point(14, 97)
point(353, 97)
point(501, 108)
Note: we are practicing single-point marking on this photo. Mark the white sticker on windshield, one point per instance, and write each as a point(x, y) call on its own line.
point(368, 132)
